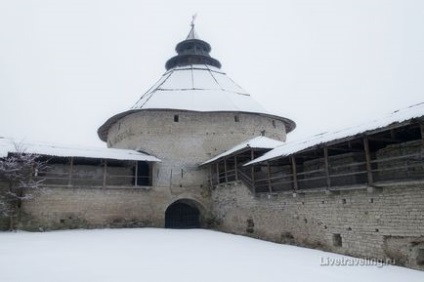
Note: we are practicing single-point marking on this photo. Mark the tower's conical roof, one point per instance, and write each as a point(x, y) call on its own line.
point(194, 82)
point(202, 88)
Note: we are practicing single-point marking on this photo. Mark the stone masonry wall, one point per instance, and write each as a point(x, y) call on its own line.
point(85, 207)
point(195, 138)
point(386, 223)
point(185, 144)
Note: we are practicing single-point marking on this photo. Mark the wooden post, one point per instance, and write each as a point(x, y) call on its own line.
point(368, 161)
point(105, 173)
point(294, 172)
point(252, 156)
point(422, 131)
point(225, 170)
point(217, 173)
point(326, 166)
point(136, 174)
point(269, 177)
point(71, 169)
point(236, 167)
point(210, 175)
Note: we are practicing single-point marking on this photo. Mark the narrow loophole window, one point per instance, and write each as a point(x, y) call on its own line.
point(236, 118)
point(337, 240)
point(176, 118)
point(420, 256)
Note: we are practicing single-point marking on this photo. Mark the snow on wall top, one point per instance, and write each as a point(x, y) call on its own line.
point(289, 148)
point(201, 88)
point(260, 142)
point(11, 146)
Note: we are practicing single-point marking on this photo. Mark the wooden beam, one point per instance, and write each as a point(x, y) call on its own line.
point(368, 160)
point(350, 149)
point(252, 157)
point(422, 131)
point(136, 174)
point(236, 167)
point(327, 167)
point(225, 170)
point(294, 173)
point(269, 177)
point(384, 139)
point(71, 169)
point(210, 175)
point(217, 173)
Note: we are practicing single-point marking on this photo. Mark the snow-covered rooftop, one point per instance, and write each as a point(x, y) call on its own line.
point(12, 146)
point(260, 142)
point(289, 148)
point(201, 88)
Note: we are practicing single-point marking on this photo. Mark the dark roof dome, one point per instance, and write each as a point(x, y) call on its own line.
point(192, 51)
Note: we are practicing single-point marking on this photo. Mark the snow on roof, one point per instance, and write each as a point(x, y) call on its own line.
point(11, 146)
point(198, 88)
point(260, 142)
point(289, 148)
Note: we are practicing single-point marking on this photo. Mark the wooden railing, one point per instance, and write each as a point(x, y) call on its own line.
point(248, 181)
point(401, 168)
point(66, 179)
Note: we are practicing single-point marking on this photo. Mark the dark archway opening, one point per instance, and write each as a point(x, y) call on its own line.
point(182, 215)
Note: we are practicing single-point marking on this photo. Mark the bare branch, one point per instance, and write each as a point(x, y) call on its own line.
point(19, 179)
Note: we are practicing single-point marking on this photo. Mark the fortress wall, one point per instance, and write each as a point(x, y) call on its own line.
point(388, 223)
point(195, 138)
point(168, 173)
point(85, 207)
point(183, 145)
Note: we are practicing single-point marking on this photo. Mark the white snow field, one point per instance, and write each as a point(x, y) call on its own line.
point(150, 254)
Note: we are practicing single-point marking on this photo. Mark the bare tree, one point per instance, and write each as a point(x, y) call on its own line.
point(19, 181)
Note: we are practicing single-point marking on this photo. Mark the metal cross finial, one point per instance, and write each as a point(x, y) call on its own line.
point(193, 18)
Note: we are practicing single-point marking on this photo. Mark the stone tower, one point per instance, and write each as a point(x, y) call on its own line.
point(194, 112)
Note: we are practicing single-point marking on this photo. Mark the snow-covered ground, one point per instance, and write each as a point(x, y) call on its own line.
point(175, 255)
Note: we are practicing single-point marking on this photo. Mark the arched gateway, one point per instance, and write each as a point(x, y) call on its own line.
point(182, 214)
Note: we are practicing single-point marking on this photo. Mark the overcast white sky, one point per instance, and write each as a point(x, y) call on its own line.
point(66, 66)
